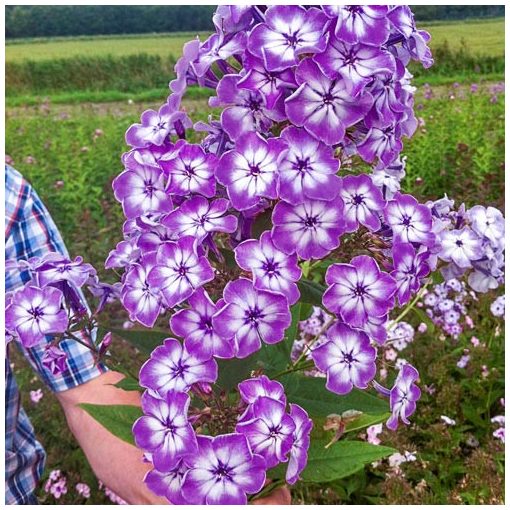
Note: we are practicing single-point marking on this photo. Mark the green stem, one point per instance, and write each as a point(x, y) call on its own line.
point(410, 306)
point(317, 336)
point(294, 369)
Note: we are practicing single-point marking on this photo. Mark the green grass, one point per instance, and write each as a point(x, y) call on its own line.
point(116, 68)
point(481, 36)
point(69, 47)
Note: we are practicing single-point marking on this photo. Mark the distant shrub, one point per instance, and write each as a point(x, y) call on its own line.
point(448, 61)
point(129, 73)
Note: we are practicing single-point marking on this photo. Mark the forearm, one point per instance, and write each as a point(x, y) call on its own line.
point(116, 463)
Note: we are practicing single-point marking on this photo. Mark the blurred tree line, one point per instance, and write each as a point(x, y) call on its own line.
point(68, 20)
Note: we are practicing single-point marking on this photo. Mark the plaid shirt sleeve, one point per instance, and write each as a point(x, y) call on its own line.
point(29, 232)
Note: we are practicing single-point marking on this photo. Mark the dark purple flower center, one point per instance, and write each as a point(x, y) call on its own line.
point(270, 266)
point(349, 358)
point(274, 430)
point(182, 270)
point(169, 426)
point(179, 368)
point(36, 312)
point(292, 39)
point(254, 314)
point(311, 221)
point(206, 323)
point(328, 98)
point(360, 290)
point(253, 104)
point(223, 471)
point(149, 187)
point(189, 170)
point(458, 242)
point(254, 170)
point(302, 165)
point(350, 58)
point(159, 126)
point(406, 220)
point(357, 199)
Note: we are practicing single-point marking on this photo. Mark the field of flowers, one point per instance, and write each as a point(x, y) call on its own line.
point(453, 452)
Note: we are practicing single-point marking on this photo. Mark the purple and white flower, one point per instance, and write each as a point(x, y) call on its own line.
point(409, 268)
point(195, 326)
point(271, 84)
point(141, 190)
point(347, 358)
point(358, 290)
point(124, 254)
point(172, 368)
point(169, 483)
point(272, 269)
point(164, 430)
point(288, 32)
point(140, 298)
point(308, 168)
point(355, 64)
point(54, 359)
point(488, 222)
point(363, 203)
point(250, 171)
point(251, 316)
point(360, 23)
point(156, 126)
point(270, 431)
point(56, 268)
point(311, 229)
point(223, 471)
point(410, 221)
point(403, 396)
point(179, 270)
point(324, 106)
point(460, 247)
point(34, 313)
point(383, 142)
point(251, 389)
point(190, 170)
point(198, 217)
point(244, 110)
point(301, 441)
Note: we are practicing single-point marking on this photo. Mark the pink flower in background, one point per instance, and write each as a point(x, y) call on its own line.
point(83, 490)
point(36, 395)
point(372, 432)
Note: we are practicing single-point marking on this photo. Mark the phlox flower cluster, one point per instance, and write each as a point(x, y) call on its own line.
point(471, 242)
point(50, 305)
point(447, 304)
point(301, 90)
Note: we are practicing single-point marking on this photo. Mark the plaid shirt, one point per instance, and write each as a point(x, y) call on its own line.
point(30, 232)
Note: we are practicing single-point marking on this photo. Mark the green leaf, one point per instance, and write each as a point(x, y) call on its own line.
point(146, 340)
point(306, 311)
point(311, 292)
point(233, 371)
point(262, 222)
point(341, 459)
point(423, 317)
point(128, 384)
point(228, 255)
point(117, 419)
point(310, 393)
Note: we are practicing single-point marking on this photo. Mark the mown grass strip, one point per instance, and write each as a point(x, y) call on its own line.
point(105, 96)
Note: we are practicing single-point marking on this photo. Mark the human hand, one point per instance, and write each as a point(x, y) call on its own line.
point(279, 496)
